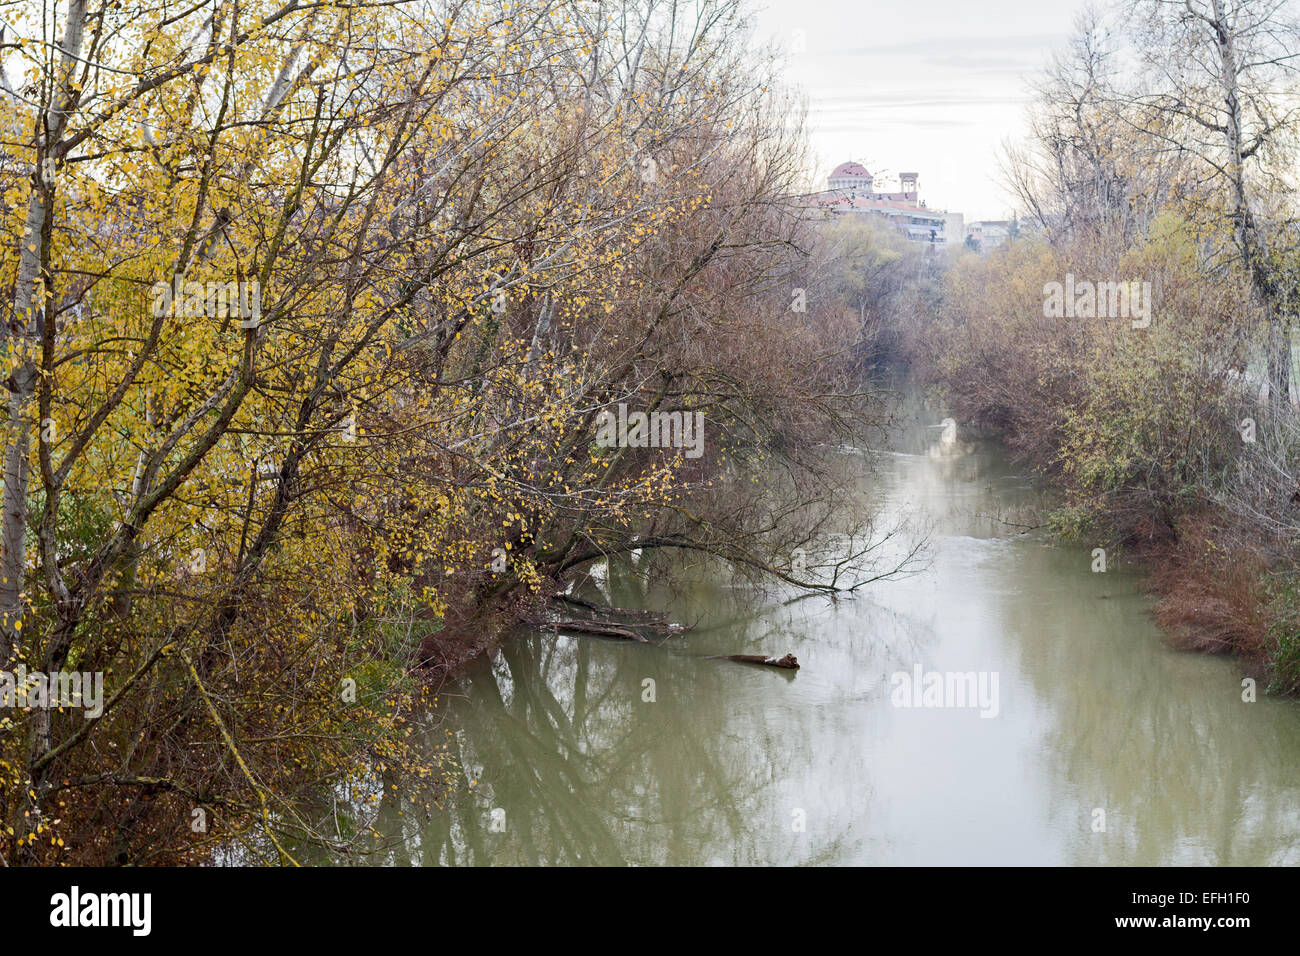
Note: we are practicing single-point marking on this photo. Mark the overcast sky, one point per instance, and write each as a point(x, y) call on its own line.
point(931, 86)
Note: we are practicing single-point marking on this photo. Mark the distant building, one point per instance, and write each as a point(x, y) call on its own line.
point(852, 190)
point(985, 234)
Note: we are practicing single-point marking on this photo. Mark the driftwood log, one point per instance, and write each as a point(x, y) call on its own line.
point(595, 627)
point(643, 621)
point(789, 662)
point(605, 610)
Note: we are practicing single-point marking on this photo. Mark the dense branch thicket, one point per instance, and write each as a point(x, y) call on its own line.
point(315, 311)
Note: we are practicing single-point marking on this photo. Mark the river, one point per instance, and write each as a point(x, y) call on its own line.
point(1107, 747)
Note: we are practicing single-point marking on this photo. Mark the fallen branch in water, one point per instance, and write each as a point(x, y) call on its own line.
point(629, 632)
point(1013, 524)
point(593, 627)
point(608, 610)
point(789, 662)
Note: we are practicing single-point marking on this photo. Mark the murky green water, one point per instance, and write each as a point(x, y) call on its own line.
point(732, 764)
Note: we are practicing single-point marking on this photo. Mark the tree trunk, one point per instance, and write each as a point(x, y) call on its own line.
point(25, 329)
point(1250, 243)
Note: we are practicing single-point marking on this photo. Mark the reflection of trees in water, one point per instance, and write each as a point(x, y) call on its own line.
point(582, 776)
point(587, 772)
point(1187, 773)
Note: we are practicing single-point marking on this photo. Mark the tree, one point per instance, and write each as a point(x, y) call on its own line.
point(1220, 84)
point(312, 325)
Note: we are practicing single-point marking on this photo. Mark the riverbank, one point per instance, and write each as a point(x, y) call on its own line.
point(1153, 433)
point(1219, 594)
point(1219, 586)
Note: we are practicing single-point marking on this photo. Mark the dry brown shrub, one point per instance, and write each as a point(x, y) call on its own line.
point(1208, 585)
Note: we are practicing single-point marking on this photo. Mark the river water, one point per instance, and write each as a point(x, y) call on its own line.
point(1107, 747)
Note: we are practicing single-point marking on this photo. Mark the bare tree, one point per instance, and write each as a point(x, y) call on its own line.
point(1219, 84)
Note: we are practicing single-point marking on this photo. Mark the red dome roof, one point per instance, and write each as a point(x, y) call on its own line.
point(850, 169)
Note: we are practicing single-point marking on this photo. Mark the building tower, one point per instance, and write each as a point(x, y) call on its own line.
point(851, 178)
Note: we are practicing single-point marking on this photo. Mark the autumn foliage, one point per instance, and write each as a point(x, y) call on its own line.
point(472, 226)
